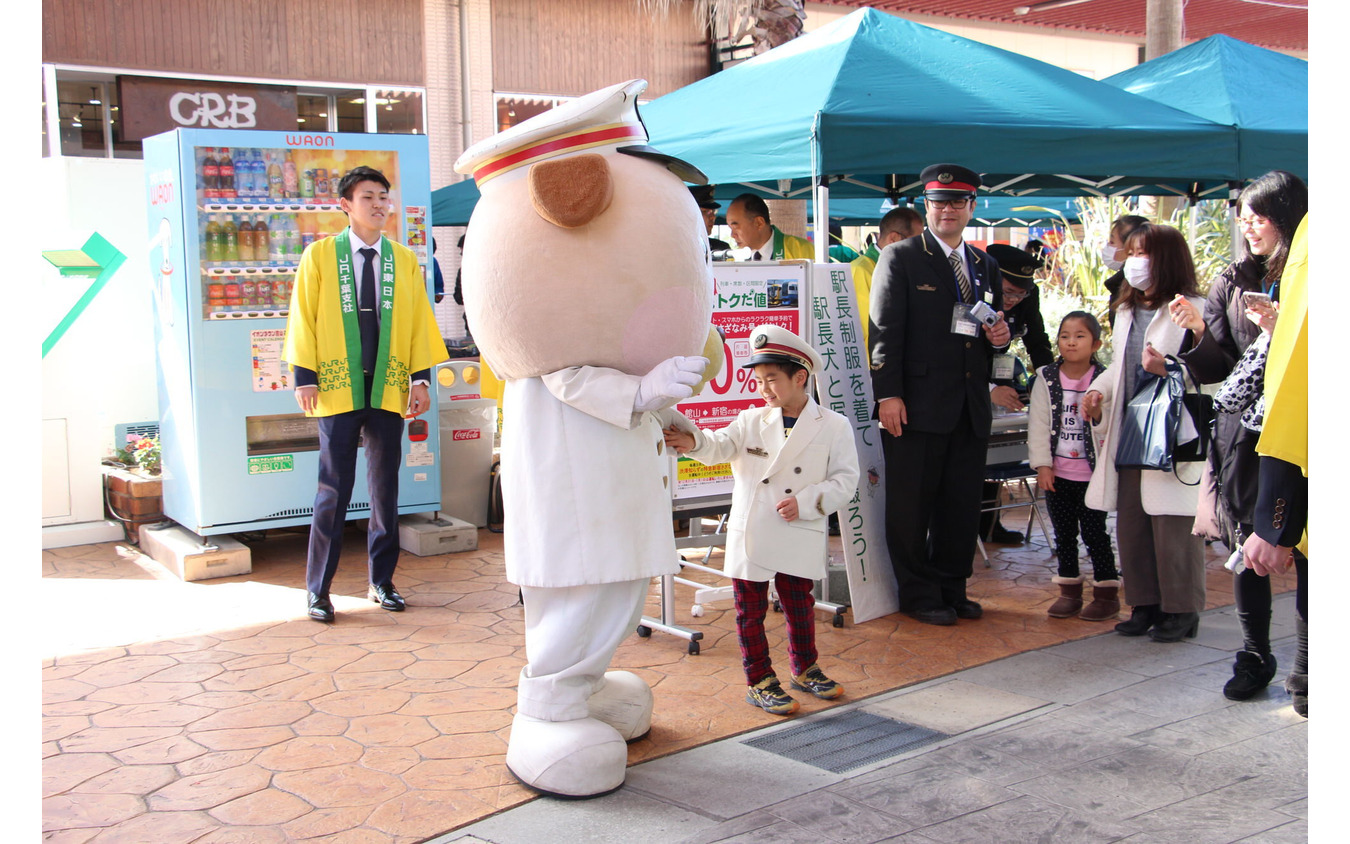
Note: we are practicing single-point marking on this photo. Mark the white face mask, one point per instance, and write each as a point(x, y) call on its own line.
point(1109, 258)
point(1137, 272)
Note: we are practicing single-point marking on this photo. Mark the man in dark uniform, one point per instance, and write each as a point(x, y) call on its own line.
point(703, 195)
point(930, 355)
point(1022, 310)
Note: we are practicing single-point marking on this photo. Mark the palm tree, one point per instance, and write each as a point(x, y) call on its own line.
point(769, 23)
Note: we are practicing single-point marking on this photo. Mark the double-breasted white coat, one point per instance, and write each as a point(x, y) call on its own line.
point(817, 464)
point(585, 481)
point(1160, 493)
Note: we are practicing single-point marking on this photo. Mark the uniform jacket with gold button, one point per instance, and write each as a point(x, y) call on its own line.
point(817, 464)
point(586, 479)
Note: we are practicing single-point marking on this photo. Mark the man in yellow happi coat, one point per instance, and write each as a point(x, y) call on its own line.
point(361, 339)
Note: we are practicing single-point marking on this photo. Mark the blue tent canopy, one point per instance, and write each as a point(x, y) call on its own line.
point(1261, 92)
point(989, 211)
point(869, 100)
point(453, 204)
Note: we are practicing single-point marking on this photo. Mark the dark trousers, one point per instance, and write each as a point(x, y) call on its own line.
point(338, 437)
point(1069, 512)
point(933, 486)
point(1252, 594)
point(799, 611)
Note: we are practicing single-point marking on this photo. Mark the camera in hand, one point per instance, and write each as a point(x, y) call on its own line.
point(985, 314)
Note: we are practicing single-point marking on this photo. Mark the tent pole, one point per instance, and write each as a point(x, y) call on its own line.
point(1233, 232)
point(822, 221)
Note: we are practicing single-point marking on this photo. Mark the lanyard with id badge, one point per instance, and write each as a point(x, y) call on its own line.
point(967, 319)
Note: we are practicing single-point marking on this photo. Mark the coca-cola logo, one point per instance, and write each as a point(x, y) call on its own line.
point(209, 109)
point(467, 435)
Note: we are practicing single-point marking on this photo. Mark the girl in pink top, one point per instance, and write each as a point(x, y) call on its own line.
point(1060, 449)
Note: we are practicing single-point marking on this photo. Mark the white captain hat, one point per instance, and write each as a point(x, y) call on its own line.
point(604, 121)
point(775, 344)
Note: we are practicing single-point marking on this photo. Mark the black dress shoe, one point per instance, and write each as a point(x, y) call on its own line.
point(967, 609)
point(1174, 626)
point(933, 615)
point(386, 597)
point(320, 608)
point(1002, 536)
point(1142, 618)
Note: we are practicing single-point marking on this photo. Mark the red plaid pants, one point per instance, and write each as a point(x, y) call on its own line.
point(752, 604)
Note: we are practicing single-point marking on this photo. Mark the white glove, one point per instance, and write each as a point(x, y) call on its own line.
point(669, 381)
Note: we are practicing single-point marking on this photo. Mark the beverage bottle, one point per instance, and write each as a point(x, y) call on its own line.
point(226, 168)
point(276, 183)
point(210, 175)
point(262, 245)
point(307, 185)
point(246, 241)
point(292, 241)
point(276, 244)
point(231, 240)
point(215, 241)
point(291, 176)
point(334, 181)
point(257, 177)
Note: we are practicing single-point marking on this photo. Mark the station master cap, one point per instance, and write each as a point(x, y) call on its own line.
point(949, 181)
point(773, 344)
point(1018, 266)
point(603, 122)
point(703, 195)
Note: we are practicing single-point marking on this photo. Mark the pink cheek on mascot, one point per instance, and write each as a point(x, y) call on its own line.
point(588, 289)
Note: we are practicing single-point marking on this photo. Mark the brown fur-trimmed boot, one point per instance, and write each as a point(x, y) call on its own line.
point(1070, 599)
point(1105, 603)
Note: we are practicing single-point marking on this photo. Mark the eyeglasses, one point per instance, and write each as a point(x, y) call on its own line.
point(1252, 222)
point(954, 204)
point(1013, 296)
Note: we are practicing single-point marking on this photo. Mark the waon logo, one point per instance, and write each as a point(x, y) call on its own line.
point(208, 109)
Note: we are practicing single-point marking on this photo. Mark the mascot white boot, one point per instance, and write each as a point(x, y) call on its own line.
point(588, 288)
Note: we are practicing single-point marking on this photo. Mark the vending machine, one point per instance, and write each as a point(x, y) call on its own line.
point(230, 213)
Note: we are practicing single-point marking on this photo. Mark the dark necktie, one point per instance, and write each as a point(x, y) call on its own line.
point(369, 323)
point(958, 267)
point(756, 256)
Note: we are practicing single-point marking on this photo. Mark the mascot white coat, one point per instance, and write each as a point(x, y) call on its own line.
point(588, 288)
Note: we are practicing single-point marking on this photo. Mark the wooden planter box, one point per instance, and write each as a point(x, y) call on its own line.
point(133, 499)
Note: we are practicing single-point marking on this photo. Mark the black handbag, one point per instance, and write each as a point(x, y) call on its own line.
point(1152, 421)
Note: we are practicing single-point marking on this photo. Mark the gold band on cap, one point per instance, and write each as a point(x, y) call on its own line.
point(590, 137)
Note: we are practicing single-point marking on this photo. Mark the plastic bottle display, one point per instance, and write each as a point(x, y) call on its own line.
point(231, 240)
point(291, 176)
point(215, 241)
point(257, 176)
point(276, 249)
point(292, 240)
point(246, 241)
point(334, 181)
point(307, 185)
point(262, 246)
point(210, 175)
point(276, 182)
point(225, 167)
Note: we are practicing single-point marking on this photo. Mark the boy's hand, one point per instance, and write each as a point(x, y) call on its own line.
point(1045, 479)
point(787, 508)
point(678, 439)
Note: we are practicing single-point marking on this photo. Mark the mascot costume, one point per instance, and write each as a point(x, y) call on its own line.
point(588, 288)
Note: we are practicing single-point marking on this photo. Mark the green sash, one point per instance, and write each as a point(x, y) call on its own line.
point(351, 328)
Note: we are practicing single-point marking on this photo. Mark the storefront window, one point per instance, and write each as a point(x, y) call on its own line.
point(80, 111)
point(516, 108)
point(311, 112)
point(351, 111)
point(399, 112)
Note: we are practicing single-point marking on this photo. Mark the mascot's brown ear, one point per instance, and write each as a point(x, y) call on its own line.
point(571, 191)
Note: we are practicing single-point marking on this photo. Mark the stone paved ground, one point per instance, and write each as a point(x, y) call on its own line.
point(216, 712)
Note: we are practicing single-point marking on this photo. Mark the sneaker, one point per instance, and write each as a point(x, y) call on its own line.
point(768, 695)
point(813, 680)
point(1252, 672)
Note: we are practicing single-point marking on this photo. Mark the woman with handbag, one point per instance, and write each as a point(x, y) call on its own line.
point(1270, 209)
point(1162, 563)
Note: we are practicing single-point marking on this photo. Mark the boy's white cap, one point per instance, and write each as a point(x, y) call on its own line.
point(604, 121)
point(774, 344)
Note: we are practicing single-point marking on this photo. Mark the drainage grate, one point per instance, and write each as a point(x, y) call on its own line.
point(846, 741)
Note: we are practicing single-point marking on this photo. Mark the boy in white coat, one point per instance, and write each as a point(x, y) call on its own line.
point(794, 463)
